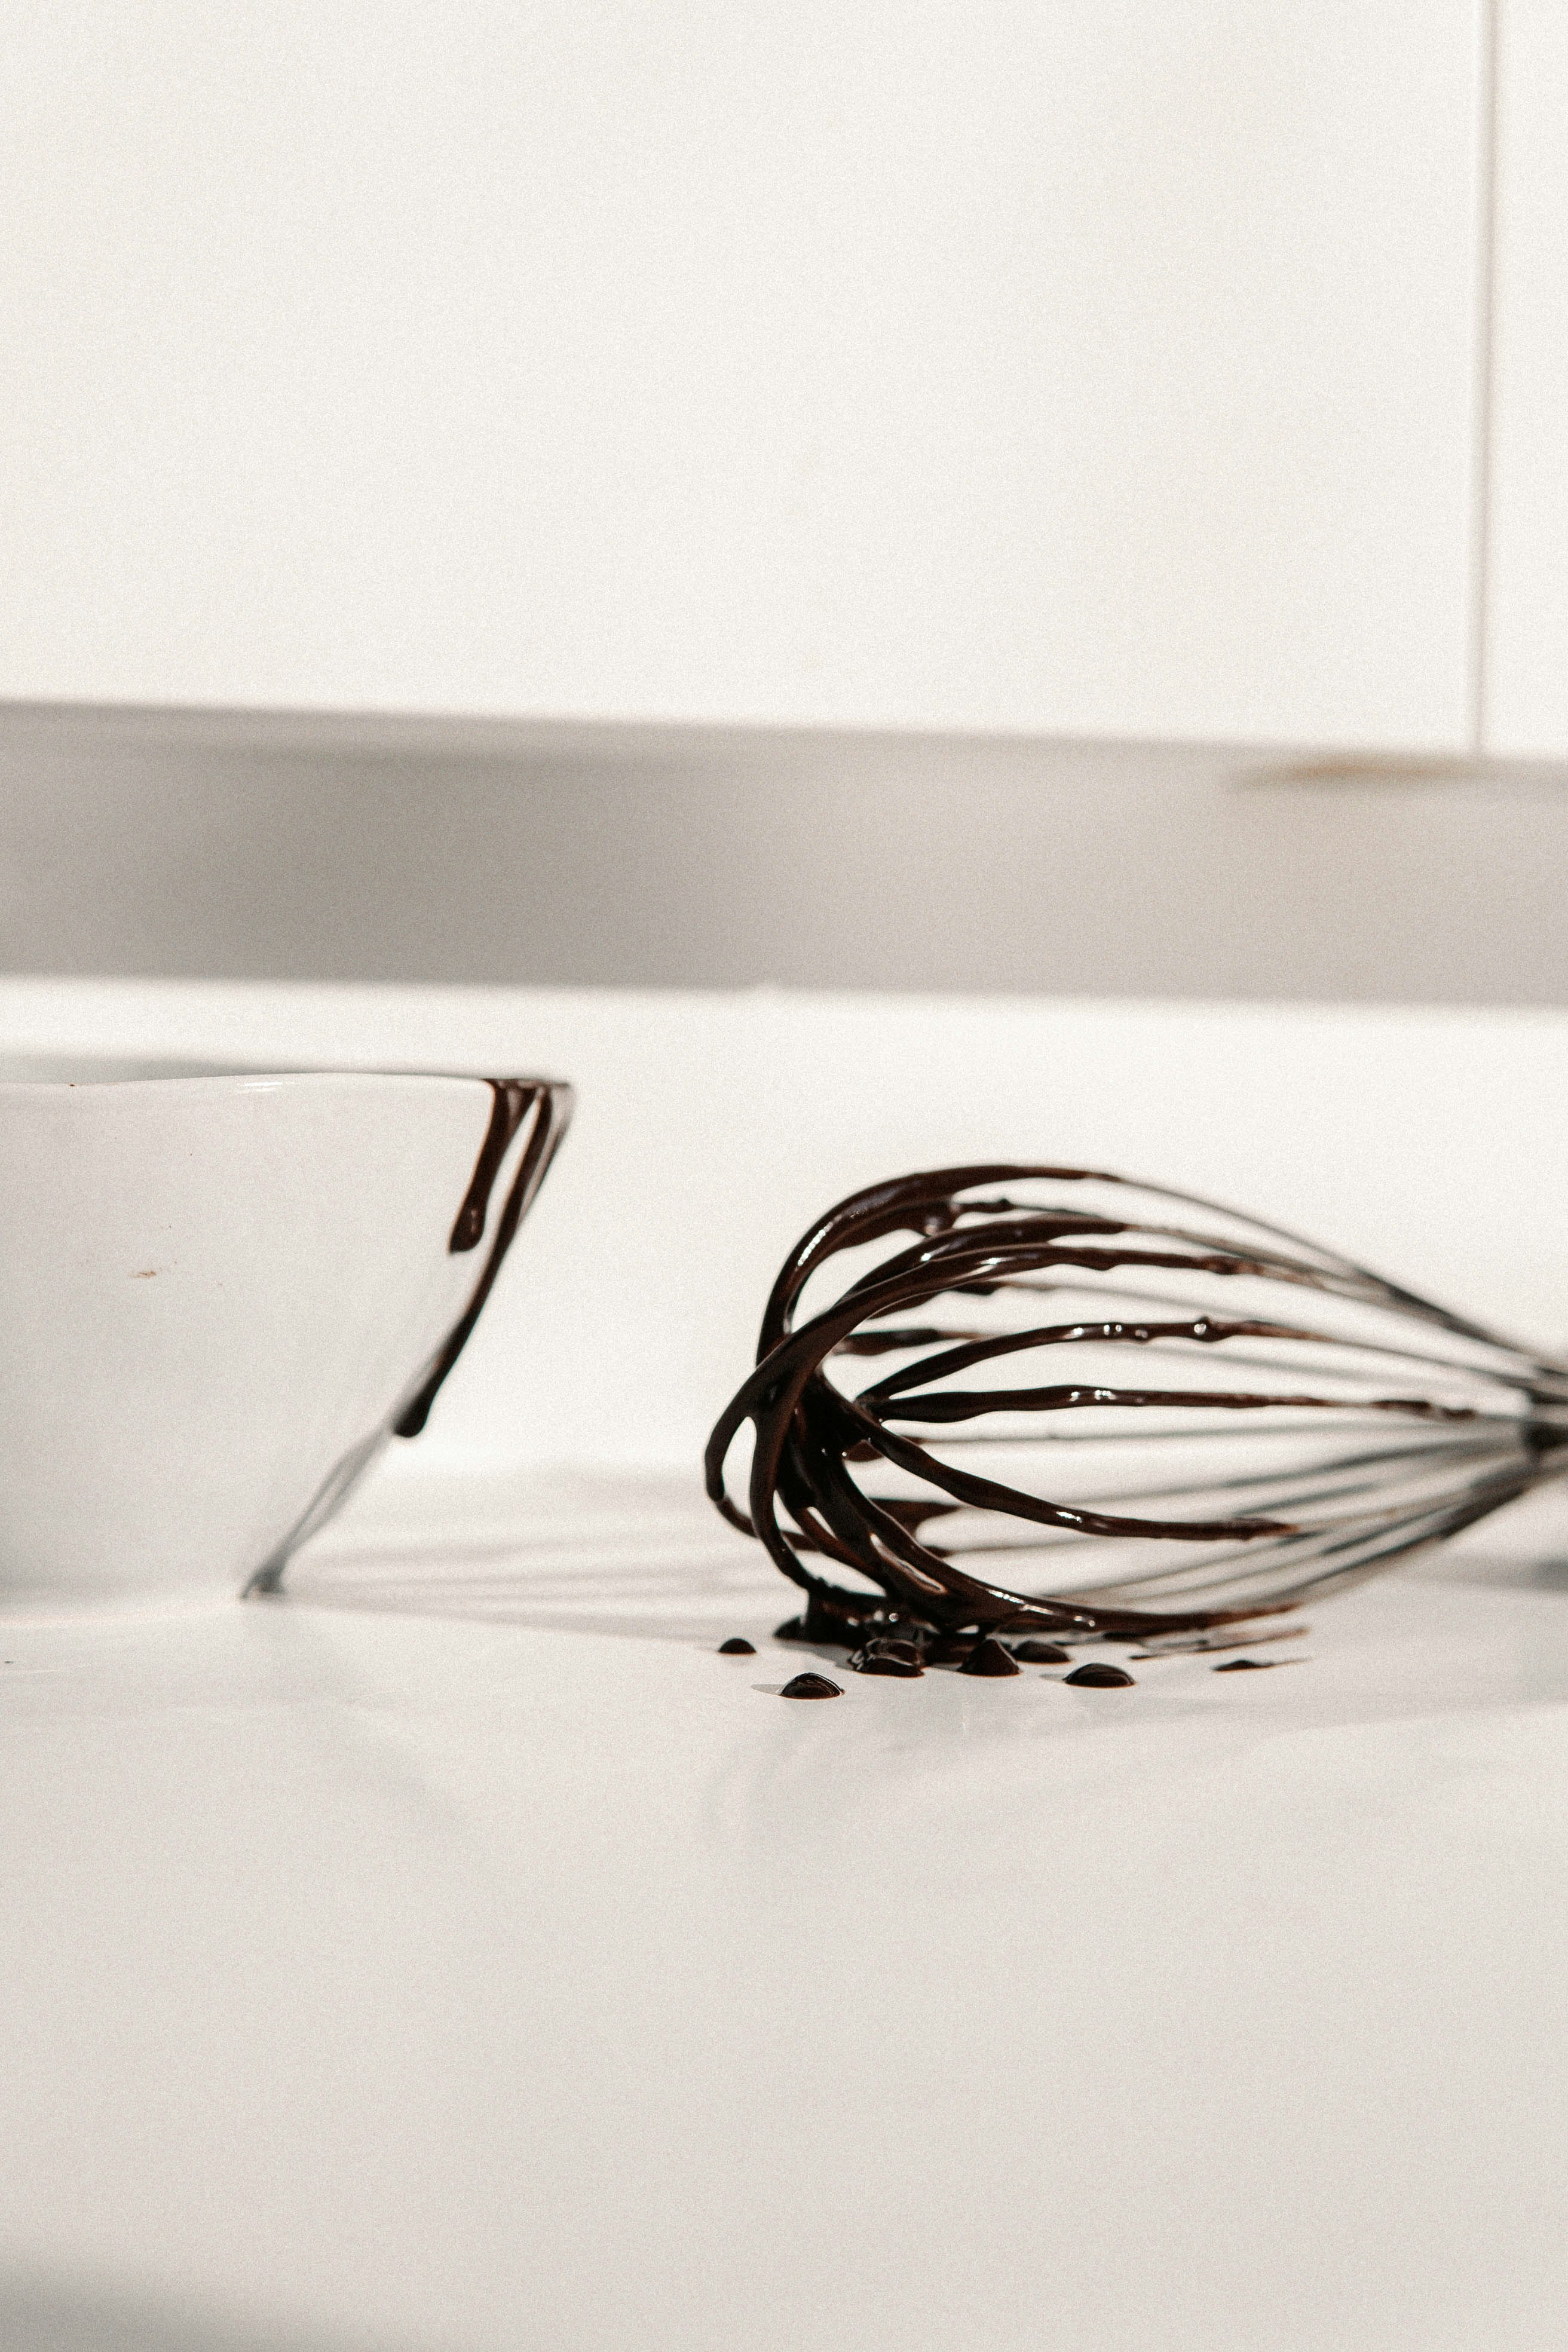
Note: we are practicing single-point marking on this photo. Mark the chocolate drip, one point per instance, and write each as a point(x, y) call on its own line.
point(737, 1647)
point(827, 1619)
point(888, 1646)
point(887, 1655)
point(1096, 1677)
point(515, 1100)
point(811, 1686)
point(989, 1657)
point(511, 1100)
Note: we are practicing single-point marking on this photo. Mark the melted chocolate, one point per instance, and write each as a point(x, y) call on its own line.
point(514, 1100)
point(1093, 1676)
point(1041, 1653)
point(989, 1657)
point(737, 1647)
point(901, 1658)
point(827, 1619)
point(812, 1686)
point(1255, 1665)
point(511, 1100)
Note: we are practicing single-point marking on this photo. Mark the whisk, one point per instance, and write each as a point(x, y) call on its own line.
point(1103, 1406)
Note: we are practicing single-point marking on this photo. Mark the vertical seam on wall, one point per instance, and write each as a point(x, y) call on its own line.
point(1482, 402)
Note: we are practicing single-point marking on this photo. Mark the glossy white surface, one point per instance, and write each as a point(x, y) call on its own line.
point(1527, 693)
point(1073, 369)
point(407, 1980)
point(216, 1293)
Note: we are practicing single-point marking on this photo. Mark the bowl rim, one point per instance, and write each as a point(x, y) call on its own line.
point(255, 1077)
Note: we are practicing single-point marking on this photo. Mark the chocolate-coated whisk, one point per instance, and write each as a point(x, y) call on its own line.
point(1103, 1405)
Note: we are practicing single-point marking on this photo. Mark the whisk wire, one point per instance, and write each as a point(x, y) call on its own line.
point(1312, 1500)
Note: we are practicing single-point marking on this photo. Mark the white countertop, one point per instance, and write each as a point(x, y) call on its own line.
point(434, 1959)
point(458, 1956)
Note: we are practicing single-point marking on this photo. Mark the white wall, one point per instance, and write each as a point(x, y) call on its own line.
point(1527, 636)
point(1083, 366)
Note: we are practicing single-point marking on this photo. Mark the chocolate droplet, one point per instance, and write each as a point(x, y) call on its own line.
point(811, 1686)
point(989, 1657)
point(1033, 1653)
point(1257, 1666)
point(737, 1647)
point(1098, 1678)
point(889, 1657)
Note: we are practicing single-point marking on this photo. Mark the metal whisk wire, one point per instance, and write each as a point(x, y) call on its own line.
point(1359, 1422)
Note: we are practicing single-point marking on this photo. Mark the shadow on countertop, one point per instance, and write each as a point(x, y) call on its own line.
point(47, 2311)
point(637, 1554)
